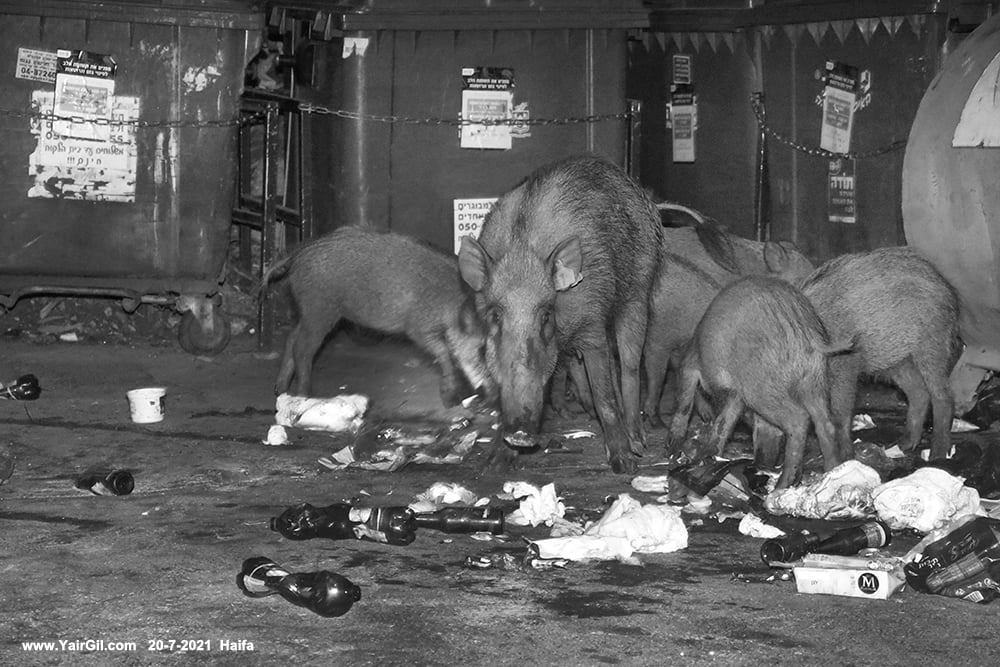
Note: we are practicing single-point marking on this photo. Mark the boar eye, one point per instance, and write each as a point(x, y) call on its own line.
point(548, 325)
point(494, 317)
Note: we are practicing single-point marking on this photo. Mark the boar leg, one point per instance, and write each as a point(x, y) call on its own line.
point(725, 422)
point(609, 413)
point(630, 334)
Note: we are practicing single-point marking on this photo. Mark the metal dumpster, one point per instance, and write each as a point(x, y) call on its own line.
point(951, 195)
point(383, 81)
point(131, 196)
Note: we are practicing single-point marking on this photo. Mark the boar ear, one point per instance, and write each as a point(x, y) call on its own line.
point(775, 257)
point(566, 262)
point(473, 263)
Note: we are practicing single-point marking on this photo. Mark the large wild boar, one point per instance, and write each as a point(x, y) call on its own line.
point(565, 263)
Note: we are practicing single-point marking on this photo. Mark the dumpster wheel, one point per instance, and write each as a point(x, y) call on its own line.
point(204, 338)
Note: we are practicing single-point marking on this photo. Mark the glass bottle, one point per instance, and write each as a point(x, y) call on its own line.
point(325, 593)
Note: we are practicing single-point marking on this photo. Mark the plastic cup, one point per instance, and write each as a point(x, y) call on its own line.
point(146, 404)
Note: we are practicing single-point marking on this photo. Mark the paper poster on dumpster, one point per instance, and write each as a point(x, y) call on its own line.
point(487, 95)
point(468, 216)
point(36, 65)
point(65, 167)
point(85, 88)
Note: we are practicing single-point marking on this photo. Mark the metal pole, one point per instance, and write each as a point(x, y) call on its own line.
point(633, 138)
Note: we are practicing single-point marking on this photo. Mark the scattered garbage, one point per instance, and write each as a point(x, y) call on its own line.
point(463, 520)
point(960, 559)
point(390, 525)
point(781, 551)
point(845, 492)
point(978, 464)
point(505, 560)
point(888, 463)
point(761, 578)
point(962, 426)
point(24, 388)
point(986, 412)
point(323, 592)
point(651, 483)
point(441, 494)
point(924, 500)
point(146, 404)
point(537, 505)
point(113, 483)
point(753, 526)
point(875, 578)
point(336, 414)
point(862, 422)
point(388, 448)
point(277, 436)
point(627, 527)
point(342, 521)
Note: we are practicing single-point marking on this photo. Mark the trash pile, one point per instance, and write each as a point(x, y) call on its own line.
point(626, 528)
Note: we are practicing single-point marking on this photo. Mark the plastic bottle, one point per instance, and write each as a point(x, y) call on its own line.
point(846, 542)
point(24, 388)
point(114, 483)
point(342, 521)
point(323, 592)
point(463, 520)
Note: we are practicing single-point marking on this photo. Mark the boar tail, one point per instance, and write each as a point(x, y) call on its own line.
point(276, 271)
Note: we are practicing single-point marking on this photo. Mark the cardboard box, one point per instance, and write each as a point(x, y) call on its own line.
point(851, 582)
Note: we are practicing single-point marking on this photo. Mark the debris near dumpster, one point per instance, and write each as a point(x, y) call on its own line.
point(108, 483)
point(24, 388)
point(441, 494)
point(875, 578)
point(769, 577)
point(505, 560)
point(389, 447)
point(336, 414)
point(889, 463)
point(862, 422)
point(627, 527)
point(925, 500)
point(537, 505)
point(343, 521)
point(960, 559)
point(845, 492)
point(978, 463)
point(325, 593)
point(752, 525)
point(783, 551)
point(986, 412)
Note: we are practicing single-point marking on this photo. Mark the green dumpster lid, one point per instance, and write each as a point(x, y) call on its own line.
point(470, 14)
point(234, 14)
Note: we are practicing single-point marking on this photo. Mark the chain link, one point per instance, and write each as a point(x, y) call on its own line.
point(757, 105)
point(242, 119)
point(410, 120)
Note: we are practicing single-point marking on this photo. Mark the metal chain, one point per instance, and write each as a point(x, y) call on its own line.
point(354, 115)
point(758, 111)
point(242, 119)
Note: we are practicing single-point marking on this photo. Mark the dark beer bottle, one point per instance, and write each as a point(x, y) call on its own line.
point(871, 535)
point(325, 593)
point(342, 521)
point(463, 520)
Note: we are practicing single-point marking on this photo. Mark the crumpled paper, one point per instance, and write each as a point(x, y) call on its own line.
point(627, 527)
point(925, 500)
point(538, 505)
point(339, 413)
point(440, 494)
point(842, 493)
point(753, 526)
point(651, 483)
